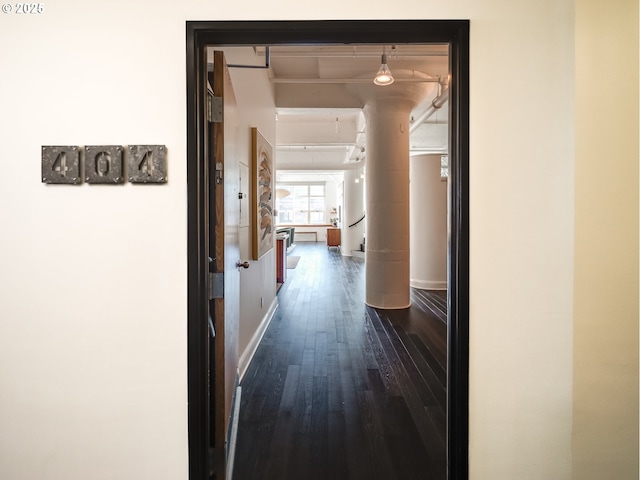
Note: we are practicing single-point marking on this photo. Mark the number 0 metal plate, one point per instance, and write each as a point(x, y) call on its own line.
point(61, 164)
point(147, 164)
point(103, 164)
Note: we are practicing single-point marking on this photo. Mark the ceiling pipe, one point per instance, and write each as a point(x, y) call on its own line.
point(436, 104)
point(357, 151)
point(348, 80)
point(360, 54)
point(323, 146)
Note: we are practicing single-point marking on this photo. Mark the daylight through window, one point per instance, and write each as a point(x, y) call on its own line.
point(300, 204)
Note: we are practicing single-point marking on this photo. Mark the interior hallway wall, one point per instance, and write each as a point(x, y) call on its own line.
point(256, 108)
point(354, 208)
point(93, 334)
point(605, 407)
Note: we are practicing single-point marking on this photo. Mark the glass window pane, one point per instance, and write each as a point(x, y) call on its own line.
point(302, 204)
point(444, 166)
point(286, 202)
point(285, 216)
point(316, 204)
point(317, 217)
point(300, 217)
point(305, 203)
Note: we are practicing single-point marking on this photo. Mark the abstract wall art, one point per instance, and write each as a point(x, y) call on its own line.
point(263, 186)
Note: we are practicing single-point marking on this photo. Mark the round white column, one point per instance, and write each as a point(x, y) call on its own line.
point(387, 186)
point(387, 111)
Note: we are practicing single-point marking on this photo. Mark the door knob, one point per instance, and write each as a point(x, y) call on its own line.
point(244, 264)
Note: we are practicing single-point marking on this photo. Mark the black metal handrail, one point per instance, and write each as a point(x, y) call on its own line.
point(357, 221)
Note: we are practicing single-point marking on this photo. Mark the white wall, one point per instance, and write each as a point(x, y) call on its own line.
point(521, 230)
point(331, 197)
point(93, 287)
point(256, 108)
point(428, 232)
point(605, 361)
point(353, 208)
point(93, 329)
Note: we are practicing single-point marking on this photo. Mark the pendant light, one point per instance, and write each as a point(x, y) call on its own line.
point(383, 77)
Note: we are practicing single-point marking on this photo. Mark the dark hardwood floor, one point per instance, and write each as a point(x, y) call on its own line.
point(339, 390)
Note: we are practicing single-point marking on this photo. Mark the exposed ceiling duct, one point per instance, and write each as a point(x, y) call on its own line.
point(315, 110)
point(436, 104)
point(348, 80)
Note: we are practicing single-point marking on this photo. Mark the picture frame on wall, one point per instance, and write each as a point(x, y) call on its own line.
point(262, 188)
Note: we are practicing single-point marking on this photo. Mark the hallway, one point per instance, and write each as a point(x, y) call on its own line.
point(333, 392)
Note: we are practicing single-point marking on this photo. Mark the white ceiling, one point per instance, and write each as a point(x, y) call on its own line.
point(320, 124)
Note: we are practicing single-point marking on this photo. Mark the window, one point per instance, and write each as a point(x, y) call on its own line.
point(300, 203)
point(444, 167)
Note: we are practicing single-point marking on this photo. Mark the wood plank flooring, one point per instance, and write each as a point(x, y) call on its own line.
point(339, 390)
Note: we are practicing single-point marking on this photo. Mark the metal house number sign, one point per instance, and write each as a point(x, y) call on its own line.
point(104, 164)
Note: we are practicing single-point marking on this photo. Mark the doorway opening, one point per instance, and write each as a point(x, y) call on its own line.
point(453, 33)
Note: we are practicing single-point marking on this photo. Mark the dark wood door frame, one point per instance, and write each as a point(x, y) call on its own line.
point(455, 33)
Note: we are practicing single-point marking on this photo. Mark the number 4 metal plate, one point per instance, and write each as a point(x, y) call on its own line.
point(147, 164)
point(61, 164)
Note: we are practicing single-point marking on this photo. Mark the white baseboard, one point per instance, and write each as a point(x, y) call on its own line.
point(233, 433)
point(247, 355)
point(428, 285)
